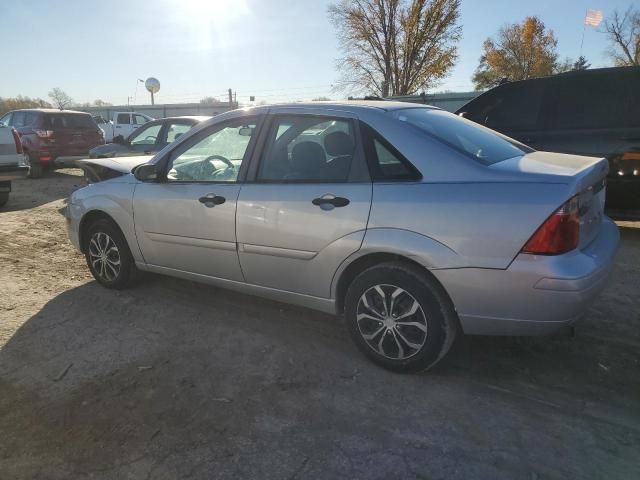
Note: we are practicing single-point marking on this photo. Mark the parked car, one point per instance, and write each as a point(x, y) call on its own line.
point(13, 163)
point(412, 222)
point(51, 137)
point(122, 125)
point(590, 112)
point(148, 139)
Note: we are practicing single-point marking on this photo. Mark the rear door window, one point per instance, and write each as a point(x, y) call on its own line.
point(474, 141)
point(305, 148)
point(175, 130)
point(597, 100)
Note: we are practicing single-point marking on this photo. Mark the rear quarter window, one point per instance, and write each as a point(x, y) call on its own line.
point(476, 142)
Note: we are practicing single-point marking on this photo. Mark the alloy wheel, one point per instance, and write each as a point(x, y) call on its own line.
point(104, 256)
point(391, 321)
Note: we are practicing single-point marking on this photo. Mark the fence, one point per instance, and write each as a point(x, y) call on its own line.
point(163, 111)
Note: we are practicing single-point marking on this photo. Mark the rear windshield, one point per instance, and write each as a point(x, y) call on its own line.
point(479, 143)
point(69, 120)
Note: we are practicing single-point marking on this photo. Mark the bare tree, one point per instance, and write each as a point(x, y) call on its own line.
point(623, 30)
point(209, 100)
point(60, 99)
point(395, 47)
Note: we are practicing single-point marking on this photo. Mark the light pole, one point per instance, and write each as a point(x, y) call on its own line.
point(135, 94)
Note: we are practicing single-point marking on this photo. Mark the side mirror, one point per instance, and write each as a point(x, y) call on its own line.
point(119, 139)
point(147, 172)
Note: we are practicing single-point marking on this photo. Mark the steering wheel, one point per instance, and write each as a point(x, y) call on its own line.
point(222, 159)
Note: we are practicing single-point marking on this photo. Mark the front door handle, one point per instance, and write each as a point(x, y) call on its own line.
point(211, 200)
point(330, 201)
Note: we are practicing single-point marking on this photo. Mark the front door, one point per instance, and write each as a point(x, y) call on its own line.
point(187, 221)
point(306, 208)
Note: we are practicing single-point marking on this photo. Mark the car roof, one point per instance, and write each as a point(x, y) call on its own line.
point(350, 105)
point(48, 110)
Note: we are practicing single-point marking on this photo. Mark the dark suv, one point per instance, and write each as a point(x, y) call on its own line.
point(54, 137)
point(591, 112)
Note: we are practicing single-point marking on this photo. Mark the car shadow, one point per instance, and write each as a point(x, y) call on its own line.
point(101, 381)
point(29, 193)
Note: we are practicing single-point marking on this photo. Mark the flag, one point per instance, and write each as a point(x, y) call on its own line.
point(593, 18)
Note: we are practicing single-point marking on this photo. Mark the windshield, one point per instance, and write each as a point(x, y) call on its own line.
point(479, 143)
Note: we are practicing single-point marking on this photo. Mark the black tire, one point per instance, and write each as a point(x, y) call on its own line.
point(433, 327)
point(36, 170)
point(108, 276)
point(4, 198)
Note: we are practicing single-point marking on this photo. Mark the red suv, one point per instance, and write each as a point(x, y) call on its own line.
point(53, 137)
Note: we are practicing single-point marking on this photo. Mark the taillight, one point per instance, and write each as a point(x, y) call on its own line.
point(559, 233)
point(44, 133)
point(16, 140)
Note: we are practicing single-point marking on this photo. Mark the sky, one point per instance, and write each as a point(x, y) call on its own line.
point(275, 50)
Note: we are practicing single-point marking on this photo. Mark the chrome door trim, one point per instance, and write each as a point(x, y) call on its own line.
point(191, 241)
point(276, 251)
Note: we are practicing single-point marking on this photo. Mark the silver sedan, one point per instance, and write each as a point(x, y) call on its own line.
point(414, 224)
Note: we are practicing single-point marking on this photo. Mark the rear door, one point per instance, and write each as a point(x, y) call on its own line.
point(306, 205)
point(123, 125)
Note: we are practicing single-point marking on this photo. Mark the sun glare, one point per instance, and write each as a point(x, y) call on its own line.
point(208, 23)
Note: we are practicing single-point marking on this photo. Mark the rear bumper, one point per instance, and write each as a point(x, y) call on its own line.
point(537, 294)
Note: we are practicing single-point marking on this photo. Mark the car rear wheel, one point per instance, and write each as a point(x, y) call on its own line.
point(108, 255)
point(36, 170)
point(400, 317)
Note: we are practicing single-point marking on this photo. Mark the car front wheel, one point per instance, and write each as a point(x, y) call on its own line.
point(108, 255)
point(400, 317)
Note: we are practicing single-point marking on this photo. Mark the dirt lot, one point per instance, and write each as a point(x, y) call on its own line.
point(178, 380)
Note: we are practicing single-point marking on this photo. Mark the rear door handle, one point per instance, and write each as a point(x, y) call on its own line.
point(211, 200)
point(330, 201)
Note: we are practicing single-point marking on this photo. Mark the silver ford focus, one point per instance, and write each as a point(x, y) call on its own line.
point(414, 224)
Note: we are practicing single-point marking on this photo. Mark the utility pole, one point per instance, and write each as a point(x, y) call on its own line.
point(230, 97)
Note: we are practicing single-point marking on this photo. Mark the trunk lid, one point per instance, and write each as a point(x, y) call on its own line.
point(585, 177)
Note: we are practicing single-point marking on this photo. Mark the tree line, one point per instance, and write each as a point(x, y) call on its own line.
point(58, 98)
point(398, 47)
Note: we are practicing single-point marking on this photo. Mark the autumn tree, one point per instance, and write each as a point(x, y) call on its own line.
point(14, 103)
point(395, 47)
point(521, 51)
point(60, 99)
point(623, 30)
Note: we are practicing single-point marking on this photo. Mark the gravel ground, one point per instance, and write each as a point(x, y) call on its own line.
point(178, 380)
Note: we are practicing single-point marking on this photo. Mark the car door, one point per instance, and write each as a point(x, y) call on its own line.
point(123, 125)
point(306, 206)
point(186, 220)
